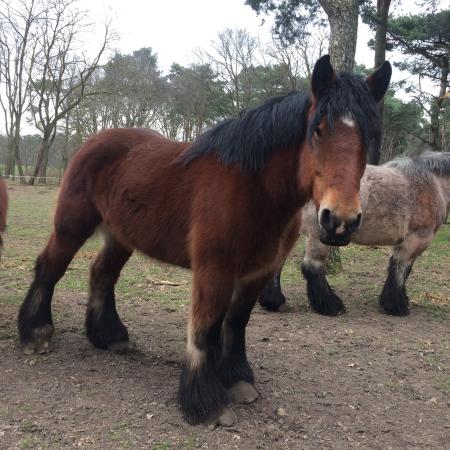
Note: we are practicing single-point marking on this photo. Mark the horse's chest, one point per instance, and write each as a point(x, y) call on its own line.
point(270, 256)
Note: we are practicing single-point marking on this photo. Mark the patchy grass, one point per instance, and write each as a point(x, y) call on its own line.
point(26, 443)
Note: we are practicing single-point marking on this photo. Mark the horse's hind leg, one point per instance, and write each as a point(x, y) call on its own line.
point(103, 325)
point(271, 297)
point(76, 218)
point(35, 317)
point(393, 299)
point(322, 298)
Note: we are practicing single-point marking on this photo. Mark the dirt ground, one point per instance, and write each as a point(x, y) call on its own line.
point(361, 380)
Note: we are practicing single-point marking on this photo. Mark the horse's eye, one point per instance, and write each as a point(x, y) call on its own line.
point(318, 132)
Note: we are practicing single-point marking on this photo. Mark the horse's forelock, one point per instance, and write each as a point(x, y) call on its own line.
point(348, 97)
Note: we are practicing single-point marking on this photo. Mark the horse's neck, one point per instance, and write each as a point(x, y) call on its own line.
point(280, 180)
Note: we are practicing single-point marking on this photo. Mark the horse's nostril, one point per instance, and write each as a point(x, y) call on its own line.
point(326, 220)
point(354, 224)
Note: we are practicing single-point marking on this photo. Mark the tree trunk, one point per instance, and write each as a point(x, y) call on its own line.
point(42, 152)
point(42, 174)
point(435, 126)
point(343, 20)
point(380, 56)
point(19, 166)
point(16, 144)
point(65, 152)
point(10, 158)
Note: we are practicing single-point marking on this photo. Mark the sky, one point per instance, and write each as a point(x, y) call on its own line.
point(174, 28)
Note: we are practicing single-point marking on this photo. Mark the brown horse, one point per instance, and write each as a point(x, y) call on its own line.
point(3, 209)
point(225, 206)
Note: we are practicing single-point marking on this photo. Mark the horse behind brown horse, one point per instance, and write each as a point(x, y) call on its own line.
point(226, 206)
point(404, 202)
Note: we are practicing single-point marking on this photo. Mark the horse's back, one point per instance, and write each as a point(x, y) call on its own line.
point(104, 149)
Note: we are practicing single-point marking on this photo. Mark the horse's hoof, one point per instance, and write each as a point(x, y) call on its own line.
point(284, 308)
point(332, 307)
point(40, 348)
point(272, 303)
point(123, 347)
point(395, 305)
point(396, 311)
point(44, 347)
point(243, 392)
point(226, 418)
point(40, 342)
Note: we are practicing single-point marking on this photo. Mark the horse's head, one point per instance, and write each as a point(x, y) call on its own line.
point(342, 120)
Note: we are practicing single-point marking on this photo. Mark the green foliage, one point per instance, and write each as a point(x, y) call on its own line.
point(194, 100)
point(425, 40)
point(292, 17)
point(268, 81)
point(401, 121)
point(421, 31)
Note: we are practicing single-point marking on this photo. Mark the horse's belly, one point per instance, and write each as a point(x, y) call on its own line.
point(152, 233)
point(383, 230)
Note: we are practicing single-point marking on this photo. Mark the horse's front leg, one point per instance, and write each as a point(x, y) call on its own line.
point(235, 370)
point(322, 298)
point(202, 395)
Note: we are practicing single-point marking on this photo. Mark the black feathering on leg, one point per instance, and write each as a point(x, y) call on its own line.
point(35, 312)
point(104, 327)
point(321, 297)
point(234, 365)
point(35, 321)
point(271, 297)
point(393, 299)
point(201, 394)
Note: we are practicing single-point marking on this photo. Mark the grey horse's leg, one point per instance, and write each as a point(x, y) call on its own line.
point(394, 299)
point(321, 297)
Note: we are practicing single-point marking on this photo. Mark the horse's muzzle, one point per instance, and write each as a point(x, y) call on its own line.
point(335, 231)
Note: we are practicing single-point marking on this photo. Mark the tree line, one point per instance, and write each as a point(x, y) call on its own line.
point(47, 79)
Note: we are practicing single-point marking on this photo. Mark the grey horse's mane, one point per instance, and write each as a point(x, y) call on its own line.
point(421, 167)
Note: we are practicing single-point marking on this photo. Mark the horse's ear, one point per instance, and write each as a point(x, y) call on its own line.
point(323, 76)
point(378, 82)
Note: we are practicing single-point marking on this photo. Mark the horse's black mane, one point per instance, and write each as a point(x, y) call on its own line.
point(419, 167)
point(281, 123)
